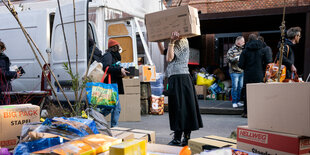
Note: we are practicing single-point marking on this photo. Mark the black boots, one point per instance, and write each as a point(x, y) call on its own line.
point(176, 141)
point(177, 138)
point(186, 137)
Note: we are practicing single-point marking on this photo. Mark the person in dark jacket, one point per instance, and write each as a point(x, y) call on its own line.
point(97, 52)
point(112, 59)
point(5, 75)
point(293, 36)
point(251, 61)
point(266, 51)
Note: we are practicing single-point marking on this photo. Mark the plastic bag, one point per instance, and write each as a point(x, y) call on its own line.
point(78, 126)
point(29, 147)
point(157, 105)
point(202, 79)
point(215, 88)
point(92, 144)
point(101, 123)
point(102, 95)
point(95, 72)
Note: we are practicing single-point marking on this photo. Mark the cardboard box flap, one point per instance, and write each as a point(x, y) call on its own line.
point(138, 134)
point(197, 145)
point(159, 148)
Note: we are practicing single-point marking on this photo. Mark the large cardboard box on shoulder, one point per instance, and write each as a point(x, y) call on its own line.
point(12, 118)
point(183, 19)
point(130, 108)
point(271, 143)
point(280, 107)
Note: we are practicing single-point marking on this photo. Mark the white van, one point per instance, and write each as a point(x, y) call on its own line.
point(42, 21)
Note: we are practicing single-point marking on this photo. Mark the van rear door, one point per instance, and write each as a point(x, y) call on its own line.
point(59, 53)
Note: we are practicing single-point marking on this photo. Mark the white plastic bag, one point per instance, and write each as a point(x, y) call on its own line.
point(95, 72)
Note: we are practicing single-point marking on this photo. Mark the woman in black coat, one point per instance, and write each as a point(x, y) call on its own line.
point(5, 75)
point(251, 61)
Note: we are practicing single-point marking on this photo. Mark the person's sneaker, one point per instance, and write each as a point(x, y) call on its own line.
point(234, 105)
point(240, 104)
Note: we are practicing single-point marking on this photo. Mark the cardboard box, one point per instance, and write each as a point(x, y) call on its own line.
point(12, 118)
point(147, 135)
point(198, 145)
point(201, 90)
point(183, 19)
point(280, 107)
point(159, 149)
point(131, 86)
point(271, 143)
point(132, 147)
point(147, 73)
point(122, 135)
point(130, 108)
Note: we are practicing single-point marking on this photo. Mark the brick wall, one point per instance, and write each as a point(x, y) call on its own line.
point(216, 6)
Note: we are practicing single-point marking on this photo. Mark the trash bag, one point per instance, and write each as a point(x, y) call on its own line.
point(101, 123)
point(203, 79)
point(32, 146)
point(215, 88)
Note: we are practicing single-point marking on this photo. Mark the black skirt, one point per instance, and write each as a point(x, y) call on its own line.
point(184, 114)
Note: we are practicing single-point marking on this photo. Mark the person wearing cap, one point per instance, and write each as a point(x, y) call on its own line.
point(111, 59)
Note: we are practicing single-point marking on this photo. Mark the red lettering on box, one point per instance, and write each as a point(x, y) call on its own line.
point(253, 136)
point(7, 143)
point(9, 114)
point(304, 144)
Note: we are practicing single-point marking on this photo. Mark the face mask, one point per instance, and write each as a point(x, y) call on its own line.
point(120, 50)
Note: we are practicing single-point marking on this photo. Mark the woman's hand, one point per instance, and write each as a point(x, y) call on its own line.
point(174, 37)
point(18, 75)
point(124, 72)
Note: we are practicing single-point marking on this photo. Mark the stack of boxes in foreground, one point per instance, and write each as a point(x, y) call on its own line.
point(278, 119)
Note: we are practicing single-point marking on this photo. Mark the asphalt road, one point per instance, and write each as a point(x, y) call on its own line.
point(220, 125)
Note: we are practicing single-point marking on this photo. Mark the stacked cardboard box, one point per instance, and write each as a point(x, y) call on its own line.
point(145, 97)
point(201, 91)
point(278, 119)
point(12, 118)
point(130, 101)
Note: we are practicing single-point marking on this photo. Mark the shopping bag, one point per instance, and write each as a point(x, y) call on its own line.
point(95, 72)
point(271, 72)
point(272, 69)
point(101, 94)
point(294, 78)
point(202, 79)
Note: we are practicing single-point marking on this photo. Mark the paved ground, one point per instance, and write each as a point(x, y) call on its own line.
point(220, 125)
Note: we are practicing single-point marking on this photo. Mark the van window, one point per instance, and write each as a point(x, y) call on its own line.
point(59, 43)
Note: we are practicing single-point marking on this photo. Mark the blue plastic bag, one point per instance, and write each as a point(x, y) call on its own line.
point(37, 145)
point(78, 126)
point(215, 88)
point(102, 95)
